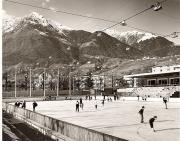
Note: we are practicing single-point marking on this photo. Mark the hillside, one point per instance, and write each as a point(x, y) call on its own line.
point(33, 40)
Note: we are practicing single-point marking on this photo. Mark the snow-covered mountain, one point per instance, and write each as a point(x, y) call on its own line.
point(11, 22)
point(33, 38)
point(130, 37)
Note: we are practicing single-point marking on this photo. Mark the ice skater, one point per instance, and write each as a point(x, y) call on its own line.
point(151, 122)
point(96, 105)
point(34, 105)
point(81, 102)
point(138, 97)
point(165, 101)
point(145, 98)
point(16, 104)
point(24, 104)
point(77, 106)
point(141, 112)
point(103, 102)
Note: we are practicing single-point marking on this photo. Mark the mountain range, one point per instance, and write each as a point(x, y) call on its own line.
point(33, 39)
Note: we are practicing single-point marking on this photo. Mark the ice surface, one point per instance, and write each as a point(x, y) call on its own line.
point(119, 118)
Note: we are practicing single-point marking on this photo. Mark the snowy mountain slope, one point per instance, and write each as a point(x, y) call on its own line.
point(10, 22)
point(130, 37)
point(33, 38)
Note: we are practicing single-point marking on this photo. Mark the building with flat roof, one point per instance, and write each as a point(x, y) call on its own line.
point(162, 81)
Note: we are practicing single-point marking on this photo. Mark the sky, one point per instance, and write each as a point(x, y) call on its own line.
point(165, 21)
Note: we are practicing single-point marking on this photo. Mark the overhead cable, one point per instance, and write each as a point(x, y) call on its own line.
point(90, 17)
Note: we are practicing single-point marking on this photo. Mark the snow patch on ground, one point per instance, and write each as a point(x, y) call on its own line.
point(99, 34)
point(87, 44)
point(40, 32)
point(127, 48)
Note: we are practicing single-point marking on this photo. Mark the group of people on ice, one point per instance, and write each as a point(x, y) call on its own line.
point(19, 103)
point(23, 104)
point(151, 120)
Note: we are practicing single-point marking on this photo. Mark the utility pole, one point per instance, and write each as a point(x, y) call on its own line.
point(73, 84)
point(70, 82)
point(15, 94)
point(44, 90)
point(112, 85)
point(58, 83)
point(30, 82)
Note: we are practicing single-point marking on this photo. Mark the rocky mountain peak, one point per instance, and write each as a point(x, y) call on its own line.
point(36, 18)
point(130, 37)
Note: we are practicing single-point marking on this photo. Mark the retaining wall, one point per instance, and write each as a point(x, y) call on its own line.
point(72, 131)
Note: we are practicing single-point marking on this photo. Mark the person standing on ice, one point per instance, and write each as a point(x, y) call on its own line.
point(24, 104)
point(138, 97)
point(151, 122)
point(141, 112)
point(165, 101)
point(96, 105)
point(34, 105)
point(103, 102)
point(77, 106)
point(80, 102)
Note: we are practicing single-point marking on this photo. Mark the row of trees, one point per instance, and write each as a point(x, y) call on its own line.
point(24, 83)
point(77, 82)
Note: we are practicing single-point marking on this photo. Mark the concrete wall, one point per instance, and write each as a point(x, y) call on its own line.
point(72, 131)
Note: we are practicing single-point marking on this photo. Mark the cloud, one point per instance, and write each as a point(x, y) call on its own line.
point(47, 0)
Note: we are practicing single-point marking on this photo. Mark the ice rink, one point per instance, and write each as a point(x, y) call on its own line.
point(119, 118)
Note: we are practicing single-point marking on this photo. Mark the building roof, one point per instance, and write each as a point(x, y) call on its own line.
point(150, 74)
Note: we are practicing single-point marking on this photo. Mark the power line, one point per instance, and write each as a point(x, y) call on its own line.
point(127, 18)
point(172, 17)
point(84, 16)
point(59, 11)
point(134, 15)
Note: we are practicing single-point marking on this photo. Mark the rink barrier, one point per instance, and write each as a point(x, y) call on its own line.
point(51, 126)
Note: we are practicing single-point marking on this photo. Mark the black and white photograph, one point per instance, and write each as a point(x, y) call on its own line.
point(90, 70)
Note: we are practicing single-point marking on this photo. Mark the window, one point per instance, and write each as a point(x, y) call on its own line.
point(151, 82)
point(174, 81)
point(163, 81)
